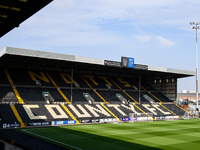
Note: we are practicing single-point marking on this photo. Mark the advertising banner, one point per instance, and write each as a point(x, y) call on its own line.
point(89, 120)
point(11, 125)
point(131, 62)
point(108, 120)
point(141, 67)
point(128, 119)
point(166, 117)
point(38, 123)
point(112, 63)
point(127, 62)
point(63, 122)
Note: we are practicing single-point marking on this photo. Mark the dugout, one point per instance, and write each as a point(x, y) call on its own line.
point(162, 79)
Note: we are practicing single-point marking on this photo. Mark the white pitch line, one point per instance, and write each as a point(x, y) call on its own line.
point(128, 125)
point(118, 132)
point(164, 130)
point(52, 140)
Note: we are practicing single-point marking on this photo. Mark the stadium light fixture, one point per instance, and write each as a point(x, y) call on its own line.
point(195, 25)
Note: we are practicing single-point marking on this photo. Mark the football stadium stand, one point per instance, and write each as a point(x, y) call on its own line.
point(45, 89)
point(41, 88)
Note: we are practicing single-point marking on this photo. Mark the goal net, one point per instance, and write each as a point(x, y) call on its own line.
point(191, 114)
point(186, 115)
point(138, 117)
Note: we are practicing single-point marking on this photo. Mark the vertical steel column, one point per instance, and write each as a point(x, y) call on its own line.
point(72, 73)
point(139, 88)
point(196, 27)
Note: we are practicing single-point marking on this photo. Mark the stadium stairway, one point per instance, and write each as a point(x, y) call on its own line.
point(142, 110)
point(13, 87)
point(183, 109)
point(59, 90)
point(94, 89)
point(109, 95)
point(157, 110)
point(67, 110)
point(149, 93)
point(88, 111)
point(7, 94)
point(168, 109)
point(111, 113)
point(23, 125)
point(125, 92)
point(174, 109)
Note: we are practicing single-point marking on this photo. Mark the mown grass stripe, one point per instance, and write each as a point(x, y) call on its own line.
point(24, 130)
point(118, 132)
point(124, 135)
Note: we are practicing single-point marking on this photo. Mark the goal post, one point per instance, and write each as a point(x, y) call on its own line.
point(138, 117)
point(190, 115)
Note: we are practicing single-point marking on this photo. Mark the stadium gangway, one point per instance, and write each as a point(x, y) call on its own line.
point(13, 87)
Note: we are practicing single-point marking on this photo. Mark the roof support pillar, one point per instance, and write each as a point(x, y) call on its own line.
point(139, 88)
point(72, 73)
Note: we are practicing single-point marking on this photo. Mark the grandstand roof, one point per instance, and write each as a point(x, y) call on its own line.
point(17, 57)
point(14, 12)
point(181, 95)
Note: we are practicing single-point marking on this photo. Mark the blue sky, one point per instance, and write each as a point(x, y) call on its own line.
point(155, 32)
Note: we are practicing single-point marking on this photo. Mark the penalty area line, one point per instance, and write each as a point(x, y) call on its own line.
point(51, 139)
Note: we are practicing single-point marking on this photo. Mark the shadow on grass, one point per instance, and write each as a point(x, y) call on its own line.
point(74, 139)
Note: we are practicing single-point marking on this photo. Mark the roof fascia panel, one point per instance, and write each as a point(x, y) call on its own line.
point(171, 70)
point(81, 59)
point(50, 55)
point(179, 71)
point(2, 52)
point(89, 60)
point(39, 54)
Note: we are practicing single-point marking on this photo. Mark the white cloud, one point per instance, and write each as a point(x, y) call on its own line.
point(80, 21)
point(155, 40)
point(165, 42)
point(85, 39)
point(144, 38)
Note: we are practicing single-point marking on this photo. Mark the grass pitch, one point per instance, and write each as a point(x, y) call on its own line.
point(178, 134)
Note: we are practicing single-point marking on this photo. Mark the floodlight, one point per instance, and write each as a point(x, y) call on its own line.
point(196, 26)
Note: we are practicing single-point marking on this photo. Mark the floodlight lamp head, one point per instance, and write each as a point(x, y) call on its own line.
point(194, 23)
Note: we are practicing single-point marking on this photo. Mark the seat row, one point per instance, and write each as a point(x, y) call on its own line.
point(31, 85)
point(33, 113)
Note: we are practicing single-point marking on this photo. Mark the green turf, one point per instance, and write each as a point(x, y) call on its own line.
point(179, 134)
